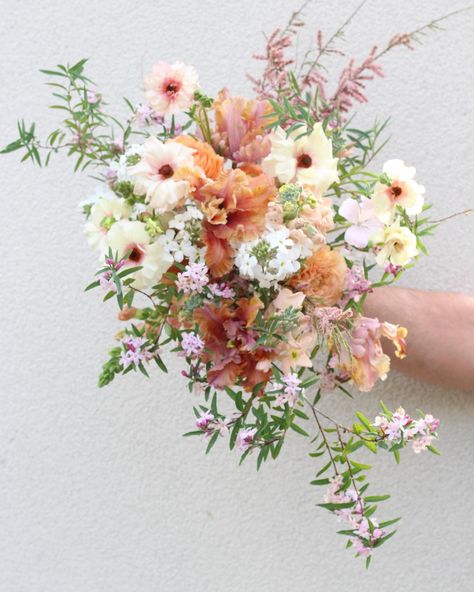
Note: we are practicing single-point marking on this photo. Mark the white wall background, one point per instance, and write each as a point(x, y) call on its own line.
point(98, 490)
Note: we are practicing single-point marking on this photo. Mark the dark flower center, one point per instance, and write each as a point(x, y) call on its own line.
point(166, 171)
point(172, 88)
point(396, 191)
point(135, 254)
point(304, 161)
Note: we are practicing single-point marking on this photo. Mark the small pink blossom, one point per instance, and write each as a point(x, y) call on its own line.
point(245, 438)
point(355, 285)
point(204, 420)
point(193, 279)
point(134, 352)
point(221, 290)
point(192, 345)
point(291, 391)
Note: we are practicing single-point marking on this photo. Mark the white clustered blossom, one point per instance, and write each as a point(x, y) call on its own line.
point(179, 240)
point(269, 259)
point(119, 168)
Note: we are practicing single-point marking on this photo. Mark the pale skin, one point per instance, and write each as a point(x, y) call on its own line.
point(440, 341)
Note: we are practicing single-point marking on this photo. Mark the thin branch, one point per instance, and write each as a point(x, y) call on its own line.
point(464, 212)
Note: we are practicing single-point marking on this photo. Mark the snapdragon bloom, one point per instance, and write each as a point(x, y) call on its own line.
point(397, 245)
point(193, 278)
point(364, 359)
point(355, 286)
point(170, 88)
point(245, 438)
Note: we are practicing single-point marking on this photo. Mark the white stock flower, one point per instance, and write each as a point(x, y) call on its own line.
point(403, 191)
point(153, 175)
point(398, 245)
point(307, 160)
point(269, 259)
point(131, 237)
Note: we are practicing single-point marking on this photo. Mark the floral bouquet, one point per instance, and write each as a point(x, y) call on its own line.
point(245, 235)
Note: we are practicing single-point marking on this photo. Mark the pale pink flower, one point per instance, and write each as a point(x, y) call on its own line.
point(222, 290)
point(295, 351)
point(134, 351)
point(245, 438)
point(170, 88)
point(361, 549)
point(156, 175)
point(203, 421)
point(364, 221)
point(356, 285)
point(365, 359)
point(192, 345)
point(291, 391)
point(193, 279)
point(287, 298)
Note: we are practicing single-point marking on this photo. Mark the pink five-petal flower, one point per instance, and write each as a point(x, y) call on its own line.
point(364, 222)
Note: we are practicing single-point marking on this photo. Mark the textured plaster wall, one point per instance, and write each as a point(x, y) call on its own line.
point(98, 490)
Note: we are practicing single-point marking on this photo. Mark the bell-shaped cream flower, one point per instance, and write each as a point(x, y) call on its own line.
point(304, 159)
point(397, 244)
point(130, 238)
point(403, 191)
point(155, 175)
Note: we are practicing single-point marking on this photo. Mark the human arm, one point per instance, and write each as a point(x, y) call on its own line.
point(440, 341)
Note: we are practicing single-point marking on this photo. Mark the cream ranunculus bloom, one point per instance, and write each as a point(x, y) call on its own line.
point(104, 213)
point(307, 160)
point(131, 237)
point(403, 191)
point(398, 245)
point(155, 174)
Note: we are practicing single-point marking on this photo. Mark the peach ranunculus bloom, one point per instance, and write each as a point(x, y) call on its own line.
point(204, 156)
point(240, 127)
point(322, 277)
point(364, 359)
point(170, 88)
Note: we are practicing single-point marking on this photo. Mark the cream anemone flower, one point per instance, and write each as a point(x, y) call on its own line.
point(103, 214)
point(398, 244)
point(155, 174)
point(130, 238)
point(170, 88)
point(307, 159)
point(402, 191)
